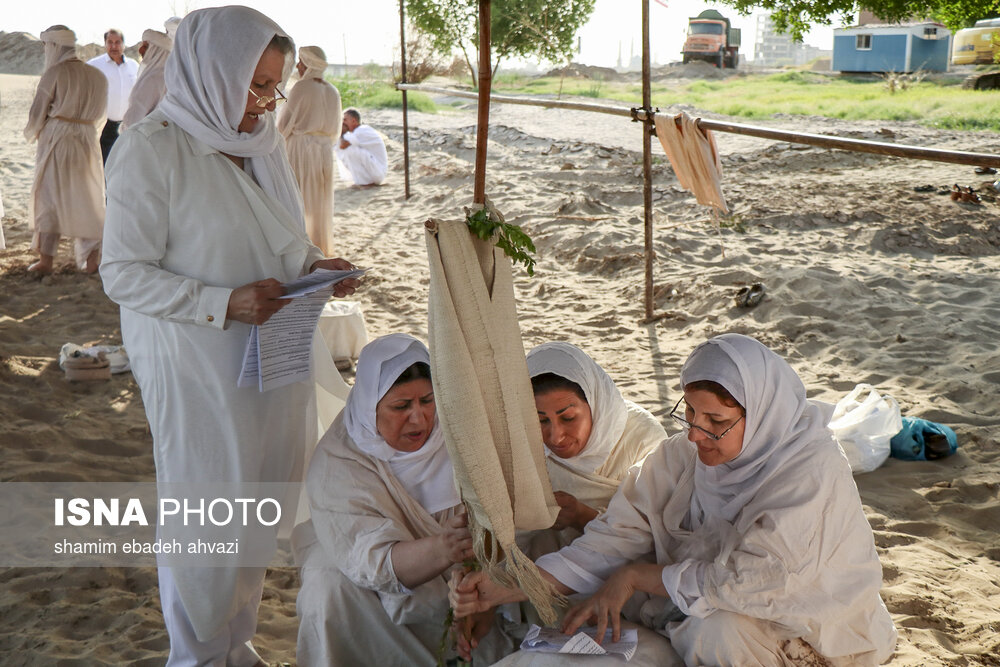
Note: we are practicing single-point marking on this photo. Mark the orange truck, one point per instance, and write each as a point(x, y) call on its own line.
point(712, 39)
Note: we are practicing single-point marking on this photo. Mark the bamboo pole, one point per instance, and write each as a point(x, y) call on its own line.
point(647, 163)
point(402, 77)
point(820, 140)
point(483, 121)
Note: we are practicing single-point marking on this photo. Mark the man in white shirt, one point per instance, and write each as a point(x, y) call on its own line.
point(361, 151)
point(121, 73)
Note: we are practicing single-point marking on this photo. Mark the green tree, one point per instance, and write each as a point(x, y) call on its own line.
point(796, 17)
point(527, 28)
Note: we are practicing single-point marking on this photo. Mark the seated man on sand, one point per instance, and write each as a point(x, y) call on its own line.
point(387, 523)
point(744, 537)
point(361, 151)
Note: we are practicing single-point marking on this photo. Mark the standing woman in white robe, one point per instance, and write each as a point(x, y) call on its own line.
point(387, 522)
point(592, 437)
point(204, 224)
point(311, 123)
point(755, 530)
point(150, 86)
point(67, 195)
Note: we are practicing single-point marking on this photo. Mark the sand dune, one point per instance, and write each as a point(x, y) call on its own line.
point(867, 281)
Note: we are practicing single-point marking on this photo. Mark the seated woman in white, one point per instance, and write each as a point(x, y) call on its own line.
point(387, 523)
point(592, 437)
point(754, 530)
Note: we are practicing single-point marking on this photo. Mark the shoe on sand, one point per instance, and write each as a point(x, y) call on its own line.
point(748, 297)
point(84, 368)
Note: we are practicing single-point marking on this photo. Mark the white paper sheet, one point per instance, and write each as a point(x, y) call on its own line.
point(552, 640)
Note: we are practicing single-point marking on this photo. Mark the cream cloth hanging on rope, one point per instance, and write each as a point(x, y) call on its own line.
point(694, 158)
point(485, 404)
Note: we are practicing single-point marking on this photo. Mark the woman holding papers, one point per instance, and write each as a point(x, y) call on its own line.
point(592, 437)
point(387, 523)
point(204, 224)
point(744, 537)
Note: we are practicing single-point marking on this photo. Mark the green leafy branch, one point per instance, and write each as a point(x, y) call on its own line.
point(509, 238)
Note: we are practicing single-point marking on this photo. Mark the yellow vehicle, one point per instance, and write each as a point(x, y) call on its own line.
point(974, 45)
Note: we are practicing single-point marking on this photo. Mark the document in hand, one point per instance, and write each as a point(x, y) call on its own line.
point(279, 352)
point(552, 640)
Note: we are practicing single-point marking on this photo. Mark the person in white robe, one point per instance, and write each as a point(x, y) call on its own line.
point(387, 523)
point(204, 224)
point(592, 437)
point(361, 151)
point(150, 86)
point(311, 123)
point(745, 534)
point(67, 195)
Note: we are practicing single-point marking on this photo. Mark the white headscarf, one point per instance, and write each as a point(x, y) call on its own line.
point(426, 474)
point(208, 74)
point(59, 44)
point(314, 59)
point(607, 407)
point(780, 422)
point(159, 48)
point(170, 25)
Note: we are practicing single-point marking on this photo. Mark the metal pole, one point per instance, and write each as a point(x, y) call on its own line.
point(402, 77)
point(647, 163)
point(483, 121)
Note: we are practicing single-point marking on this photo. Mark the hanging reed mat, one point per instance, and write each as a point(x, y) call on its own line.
point(485, 405)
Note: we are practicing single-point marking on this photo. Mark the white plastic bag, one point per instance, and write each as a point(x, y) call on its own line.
point(863, 422)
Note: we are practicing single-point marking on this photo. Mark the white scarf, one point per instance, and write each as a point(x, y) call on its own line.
point(159, 48)
point(780, 422)
point(208, 74)
point(607, 407)
point(314, 59)
point(59, 45)
point(170, 25)
point(426, 474)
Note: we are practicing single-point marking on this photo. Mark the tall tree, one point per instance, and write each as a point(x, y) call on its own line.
point(796, 17)
point(544, 29)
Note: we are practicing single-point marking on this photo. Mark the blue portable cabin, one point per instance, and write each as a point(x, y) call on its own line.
point(905, 47)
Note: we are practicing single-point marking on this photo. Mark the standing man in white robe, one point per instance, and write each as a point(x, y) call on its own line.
point(121, 73)
point(149, 86)
point(361, 151)
point(311, 123)
point(204, 225)
point(67, 196)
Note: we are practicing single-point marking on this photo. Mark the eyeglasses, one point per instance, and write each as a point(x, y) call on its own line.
point(686, 424)
point(264, 100)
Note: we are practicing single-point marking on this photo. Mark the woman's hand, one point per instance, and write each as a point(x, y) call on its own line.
point(456, 540)
point(471, 593)
point(608, 601)
point(344, 287)
point(255, 303)
point(468, 631)
point(572, 512)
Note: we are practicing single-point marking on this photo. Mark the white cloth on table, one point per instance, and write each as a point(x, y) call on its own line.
point(150, 86)
point(186, 226)
point(798, 555)
point(121, 78)
point(365, 160)
point(67, 194)
point(342, 325)
point(310, 122)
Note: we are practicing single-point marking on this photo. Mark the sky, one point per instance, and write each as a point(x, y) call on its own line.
point(369, 31)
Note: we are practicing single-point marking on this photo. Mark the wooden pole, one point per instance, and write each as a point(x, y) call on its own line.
point(821, 140)
point(647, 162)
point(402, 78)
point(483, 121)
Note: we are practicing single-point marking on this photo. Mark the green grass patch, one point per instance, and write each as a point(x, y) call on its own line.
point(377, 94)
point(942, 104)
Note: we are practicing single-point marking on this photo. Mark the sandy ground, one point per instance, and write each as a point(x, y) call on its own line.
point(867, 281)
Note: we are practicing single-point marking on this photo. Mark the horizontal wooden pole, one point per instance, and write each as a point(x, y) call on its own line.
point(821, 140)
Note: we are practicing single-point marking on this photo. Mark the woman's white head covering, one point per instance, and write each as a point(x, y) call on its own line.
point(607, 407)
point(159, 48)
point(170, 25)
point(426, 474)
point(208, 74)
point(314, 59)
point(59, 44)
point(780, 422)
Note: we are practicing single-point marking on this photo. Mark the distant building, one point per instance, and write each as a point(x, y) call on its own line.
point(904, 47)
point(775, 49)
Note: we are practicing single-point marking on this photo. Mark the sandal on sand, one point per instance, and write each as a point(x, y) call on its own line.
point(748, 297)
point(83, 367)
point(923, 188)
point(985, 170)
